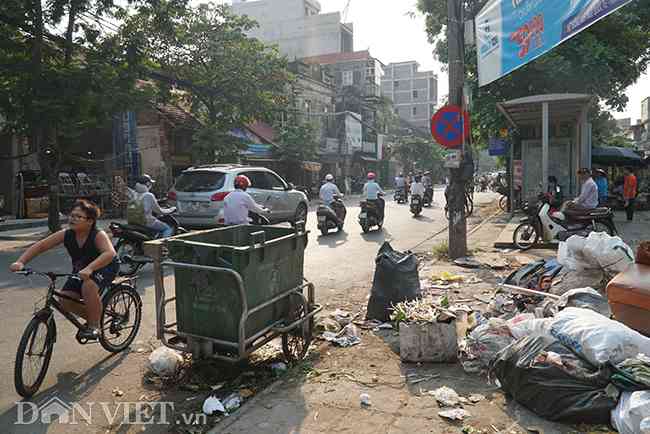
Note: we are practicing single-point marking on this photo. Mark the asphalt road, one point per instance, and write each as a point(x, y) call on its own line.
point(339, 260)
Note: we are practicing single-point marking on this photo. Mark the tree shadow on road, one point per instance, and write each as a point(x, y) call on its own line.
point(70, 388)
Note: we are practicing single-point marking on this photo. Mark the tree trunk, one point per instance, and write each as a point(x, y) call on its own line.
point(72, 16)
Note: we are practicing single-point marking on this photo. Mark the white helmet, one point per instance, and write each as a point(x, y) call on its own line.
point(329, 177)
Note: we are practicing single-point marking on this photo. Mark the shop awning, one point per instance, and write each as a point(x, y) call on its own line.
point(615, 156)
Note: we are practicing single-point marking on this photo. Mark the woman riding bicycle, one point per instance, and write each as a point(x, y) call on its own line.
point(93, 259)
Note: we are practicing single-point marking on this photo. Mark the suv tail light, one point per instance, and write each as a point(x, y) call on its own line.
point(218, 197)
point(171, 195)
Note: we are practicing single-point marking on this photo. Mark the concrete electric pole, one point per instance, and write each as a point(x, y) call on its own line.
point(458, 178)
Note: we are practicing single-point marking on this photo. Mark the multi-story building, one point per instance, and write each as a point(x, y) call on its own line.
point(297, 27)
point(414, 93)
point(642, 129)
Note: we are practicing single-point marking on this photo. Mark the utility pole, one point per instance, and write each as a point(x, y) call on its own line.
point(456, 53)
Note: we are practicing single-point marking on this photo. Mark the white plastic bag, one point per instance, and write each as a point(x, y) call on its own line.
point(597, 338)
point(585, 298)
point(609, 253)
point(526, 324)
point(632, 414)
point(486, 340)
point(570, 254)
point(164, 361)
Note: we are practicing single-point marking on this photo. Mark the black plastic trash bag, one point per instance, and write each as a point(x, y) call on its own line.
point(396, 279)
point(528, 370)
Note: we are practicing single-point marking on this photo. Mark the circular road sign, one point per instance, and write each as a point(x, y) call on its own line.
point(449, 126)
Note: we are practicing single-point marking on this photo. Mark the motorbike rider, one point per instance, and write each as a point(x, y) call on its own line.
point(400, 184)
point(93, 260)
point(329, 190)
point(145, 199)
point(428, 184)
point(238, 203)
point(417, 187)
point(372, 191)
point(588, 198)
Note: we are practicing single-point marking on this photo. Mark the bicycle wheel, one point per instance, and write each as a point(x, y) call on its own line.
point(121, 318)
point(34, 354)
point(295, 343)
point(469, 206)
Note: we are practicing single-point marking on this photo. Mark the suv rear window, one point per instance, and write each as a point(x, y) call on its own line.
point(200, 181)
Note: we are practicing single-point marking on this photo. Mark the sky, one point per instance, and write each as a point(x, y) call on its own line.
point(384, 27)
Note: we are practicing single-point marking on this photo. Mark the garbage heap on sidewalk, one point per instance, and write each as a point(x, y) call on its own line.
point(566, 338)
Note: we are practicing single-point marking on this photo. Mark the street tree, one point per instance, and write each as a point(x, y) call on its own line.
point(602, 60)
point(58, 84)
point(225, 78)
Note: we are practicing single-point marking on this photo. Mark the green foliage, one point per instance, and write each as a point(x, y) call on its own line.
point(225, 78)
point(418, 154)
point(602, 60)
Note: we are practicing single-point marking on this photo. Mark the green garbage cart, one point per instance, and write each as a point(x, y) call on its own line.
point(235, 289)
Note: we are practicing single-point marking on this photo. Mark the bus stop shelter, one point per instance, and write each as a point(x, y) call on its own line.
point(542, 153)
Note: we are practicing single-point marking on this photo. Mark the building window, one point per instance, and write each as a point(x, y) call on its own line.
point(415, 111)
point(396, 84)
point(348, 78)
point(415, 94)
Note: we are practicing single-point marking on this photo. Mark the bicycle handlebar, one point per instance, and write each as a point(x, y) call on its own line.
point(49, 275)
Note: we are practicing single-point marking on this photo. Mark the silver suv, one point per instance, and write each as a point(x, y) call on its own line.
point(199, 193)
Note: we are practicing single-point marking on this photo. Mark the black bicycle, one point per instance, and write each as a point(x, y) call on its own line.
point(119, 325)
point(469, 201)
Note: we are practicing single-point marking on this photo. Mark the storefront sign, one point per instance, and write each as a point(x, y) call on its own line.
point(353, 133)
point(511, 33)
point(452, 159)
point(498, 147)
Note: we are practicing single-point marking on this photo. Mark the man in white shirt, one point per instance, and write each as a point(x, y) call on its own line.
point(372, 192)
point(588, 198)
point(238, 204)
point(417, 187)
point(329, 190)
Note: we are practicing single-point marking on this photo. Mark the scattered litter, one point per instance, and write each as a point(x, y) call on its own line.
point(455, 414)
point(117, 392)
point(475, 398)
point(232, 402)
point(325, 323)
point(365, 400)
point(446, 277)
point(446, 396)
point(385, 326)
point(486, 340)
point(467, 262)
point(279, 368)
point(423, 310)
point(246, 393)
point(342, 317)
point(502, 304)
point(347, 337)
point(426, 378)
point(586, 298)
point(165, 362)
point(633, 374)
point(212, 405)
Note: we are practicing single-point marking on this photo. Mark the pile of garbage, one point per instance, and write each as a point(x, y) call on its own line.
point(423, 310)
point(562, 356)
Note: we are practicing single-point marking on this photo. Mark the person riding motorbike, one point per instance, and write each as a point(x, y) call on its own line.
point(400, 184)
point(428, 185)
point(329, 190)
point(372, 192)
point(93, 260)
point(238, 204)
point(417, 187)
point(143, 205)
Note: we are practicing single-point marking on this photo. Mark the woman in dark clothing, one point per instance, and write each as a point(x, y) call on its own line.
point(93, 259)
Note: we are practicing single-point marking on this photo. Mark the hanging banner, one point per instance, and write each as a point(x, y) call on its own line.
point(511, 33)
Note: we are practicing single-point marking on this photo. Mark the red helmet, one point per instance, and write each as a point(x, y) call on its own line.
point(371, 175)
point(242, 182)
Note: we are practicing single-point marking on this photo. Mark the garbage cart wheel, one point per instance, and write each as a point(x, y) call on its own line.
point(295, 343)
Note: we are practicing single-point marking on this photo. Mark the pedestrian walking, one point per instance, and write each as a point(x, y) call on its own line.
point(629, 193)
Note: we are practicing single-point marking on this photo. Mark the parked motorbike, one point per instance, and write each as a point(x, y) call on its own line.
point(399, 196)
point(542, 222)
point(130, 241)
point(332, 216)
point(428, 197)
point(416, 205)
point(369, 216)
